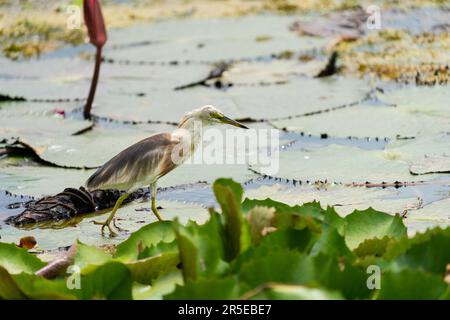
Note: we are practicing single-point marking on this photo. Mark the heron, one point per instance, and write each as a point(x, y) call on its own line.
point(144, 162)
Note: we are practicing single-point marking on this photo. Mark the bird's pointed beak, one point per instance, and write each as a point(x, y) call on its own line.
point(227, 120)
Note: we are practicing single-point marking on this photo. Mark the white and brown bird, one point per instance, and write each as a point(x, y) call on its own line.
point(143, 163)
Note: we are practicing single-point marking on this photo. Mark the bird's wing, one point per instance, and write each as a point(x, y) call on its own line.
point(143, 160)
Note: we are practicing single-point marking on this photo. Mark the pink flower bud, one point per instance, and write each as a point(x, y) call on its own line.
point(93, 18)
point(60, 112)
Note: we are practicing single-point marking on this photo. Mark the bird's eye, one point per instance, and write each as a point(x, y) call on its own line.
point(216, 115)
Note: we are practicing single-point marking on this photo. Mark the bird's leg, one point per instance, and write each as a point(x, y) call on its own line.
point(154, 208)
point(107, 223)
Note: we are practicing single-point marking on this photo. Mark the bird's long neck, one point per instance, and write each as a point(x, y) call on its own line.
point(189, 131)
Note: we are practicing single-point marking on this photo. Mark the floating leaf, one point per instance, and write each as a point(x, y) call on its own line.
point(343, 199)
point(270, 73)
point(196, 41)
point(39, 127)
point(425, 154)
point(428, 100)
point(367, 122)
point(431, 164)
point(284, 101)
point(68, 78)
point(432, 215)
point(342, 164)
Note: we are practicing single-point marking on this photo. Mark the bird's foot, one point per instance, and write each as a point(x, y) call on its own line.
point(106, 224)
point(156, 213)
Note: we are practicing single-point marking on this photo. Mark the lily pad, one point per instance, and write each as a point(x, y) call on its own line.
point(344, 199)
point(39, 127)
point(69, 78)
point(343, 164)
point(426, 154)
point(60, 80)
point(89, 150)
point(161, 105)
point(432, 215)
point(367, 122)
point(41, 180)
point(37, 109)
point(297, 97)
point(270, 72)
point(432, 101)
point(431, 164)
point(210, 39)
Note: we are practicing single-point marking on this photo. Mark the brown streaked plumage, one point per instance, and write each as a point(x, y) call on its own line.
point(146, 161)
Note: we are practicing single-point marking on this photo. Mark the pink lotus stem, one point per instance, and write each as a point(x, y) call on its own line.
point(93, 18)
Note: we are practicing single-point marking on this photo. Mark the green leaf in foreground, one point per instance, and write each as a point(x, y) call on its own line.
point(369, 224)
point(274, 291)
point(428, 251)
point(229, 195)
point(331, 243)
point(337, 274)
point(412, 284)
point(373, 247)
point(146, 270)
point(283, 266)
point(17, 260)
point(209, 289)
point(9, 290)
point(201, 248)
point(29, 286)
point(89, 255)
point(110, 281)
point(160, 287)
point(285, 216)
point(147, 236)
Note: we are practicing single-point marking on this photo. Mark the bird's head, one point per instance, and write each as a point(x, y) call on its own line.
point(211, 115)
